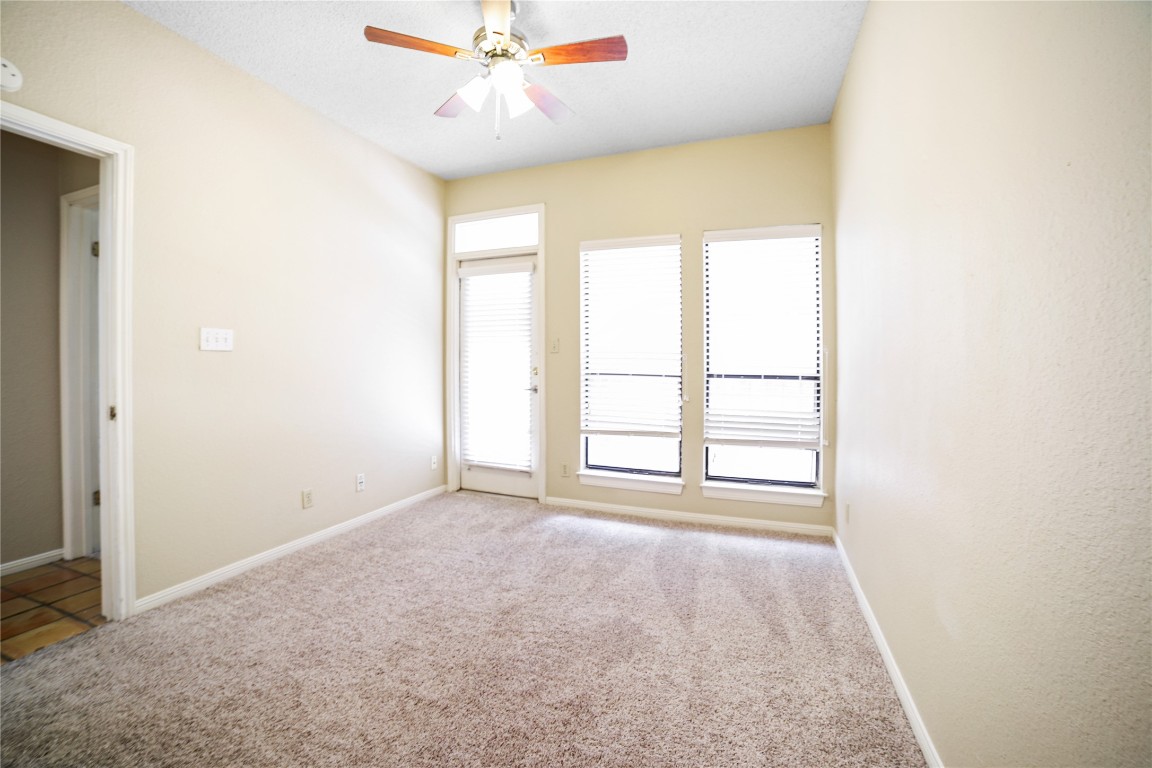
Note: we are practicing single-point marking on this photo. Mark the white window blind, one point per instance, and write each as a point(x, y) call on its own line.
point(763, 338)
point(631, 345)
point(496, 363)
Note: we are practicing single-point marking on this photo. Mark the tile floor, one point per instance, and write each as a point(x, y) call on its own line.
point(46, 604)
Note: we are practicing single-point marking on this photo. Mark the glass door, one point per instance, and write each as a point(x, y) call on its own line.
point(498, 378)
point(495, 335)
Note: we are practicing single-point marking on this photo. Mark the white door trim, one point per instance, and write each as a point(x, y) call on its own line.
point(452, 347)
point(117, 528)
point(78, 410)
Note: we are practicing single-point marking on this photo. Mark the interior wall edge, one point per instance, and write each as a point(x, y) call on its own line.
point(200, 583)
point(919, 727)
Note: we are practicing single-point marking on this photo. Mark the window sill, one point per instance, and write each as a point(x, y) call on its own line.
point(768, 494)
point(630, 482)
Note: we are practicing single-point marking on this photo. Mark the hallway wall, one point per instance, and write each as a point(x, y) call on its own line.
point(33, 176)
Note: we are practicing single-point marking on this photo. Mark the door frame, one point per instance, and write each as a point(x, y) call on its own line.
point(452, 337)
point(78, 467)
point(117, 521)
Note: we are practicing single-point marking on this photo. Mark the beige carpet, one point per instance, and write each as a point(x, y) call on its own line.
point(472, 630)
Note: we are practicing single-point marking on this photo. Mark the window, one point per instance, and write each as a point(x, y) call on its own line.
point(631, 356)
point(487, 234)
point(762, 415)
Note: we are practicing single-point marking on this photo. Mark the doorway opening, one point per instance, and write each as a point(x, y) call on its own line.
point(105, 208)
point(50, 543)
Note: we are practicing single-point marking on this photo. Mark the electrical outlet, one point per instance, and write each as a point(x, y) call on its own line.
point(847, 514)
point(435, 462)
point(359, 482)
point(554, 346)
point(10, 77)
point(306, 498)
point(564, 470)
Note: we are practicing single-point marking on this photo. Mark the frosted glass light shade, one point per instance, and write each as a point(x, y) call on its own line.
point(518, 102)
point(475, 92)
point(506, 77)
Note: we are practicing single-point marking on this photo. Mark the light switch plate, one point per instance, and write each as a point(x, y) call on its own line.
point(216, 339)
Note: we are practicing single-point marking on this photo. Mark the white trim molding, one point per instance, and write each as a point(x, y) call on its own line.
point(79, 442)
point(931, 756)
point(235, 569)
point(117, 521)
point(452, 264)
point(631, 481)
point(25, 563)
point(776, 494)
point(726, 521)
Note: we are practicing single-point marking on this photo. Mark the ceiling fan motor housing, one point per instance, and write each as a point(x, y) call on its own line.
point(515, 48)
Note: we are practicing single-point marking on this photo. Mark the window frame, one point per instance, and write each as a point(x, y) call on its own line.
point(451, 264)
point(791, 492)
point(632, 470)
point(631, 478)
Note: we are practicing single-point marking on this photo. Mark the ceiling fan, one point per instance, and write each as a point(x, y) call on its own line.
point(503, 52)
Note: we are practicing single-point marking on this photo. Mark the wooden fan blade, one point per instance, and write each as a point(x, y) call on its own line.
point(414, 43)
point(452, 107)
point(497, 20)
point(556, 110)
point(603, 49)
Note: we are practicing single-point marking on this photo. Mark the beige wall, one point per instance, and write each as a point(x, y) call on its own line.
point(33, 176)
point(753, 181)
point(323, 253)
point(992, 174)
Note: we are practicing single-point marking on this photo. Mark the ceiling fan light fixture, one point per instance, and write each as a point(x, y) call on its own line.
point(504, 52)
point(518, 102)
point(475, 92)
point(507, 77)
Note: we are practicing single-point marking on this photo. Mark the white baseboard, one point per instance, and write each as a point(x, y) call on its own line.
point(25, 563)
point(918, 728)
point(228, 571)
point(804, 529)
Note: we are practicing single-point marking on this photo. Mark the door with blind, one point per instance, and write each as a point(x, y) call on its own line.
point(497, 373)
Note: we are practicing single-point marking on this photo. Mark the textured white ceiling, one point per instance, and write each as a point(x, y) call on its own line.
point(695, 71)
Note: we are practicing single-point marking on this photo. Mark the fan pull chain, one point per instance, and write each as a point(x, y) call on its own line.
point(499, 101)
